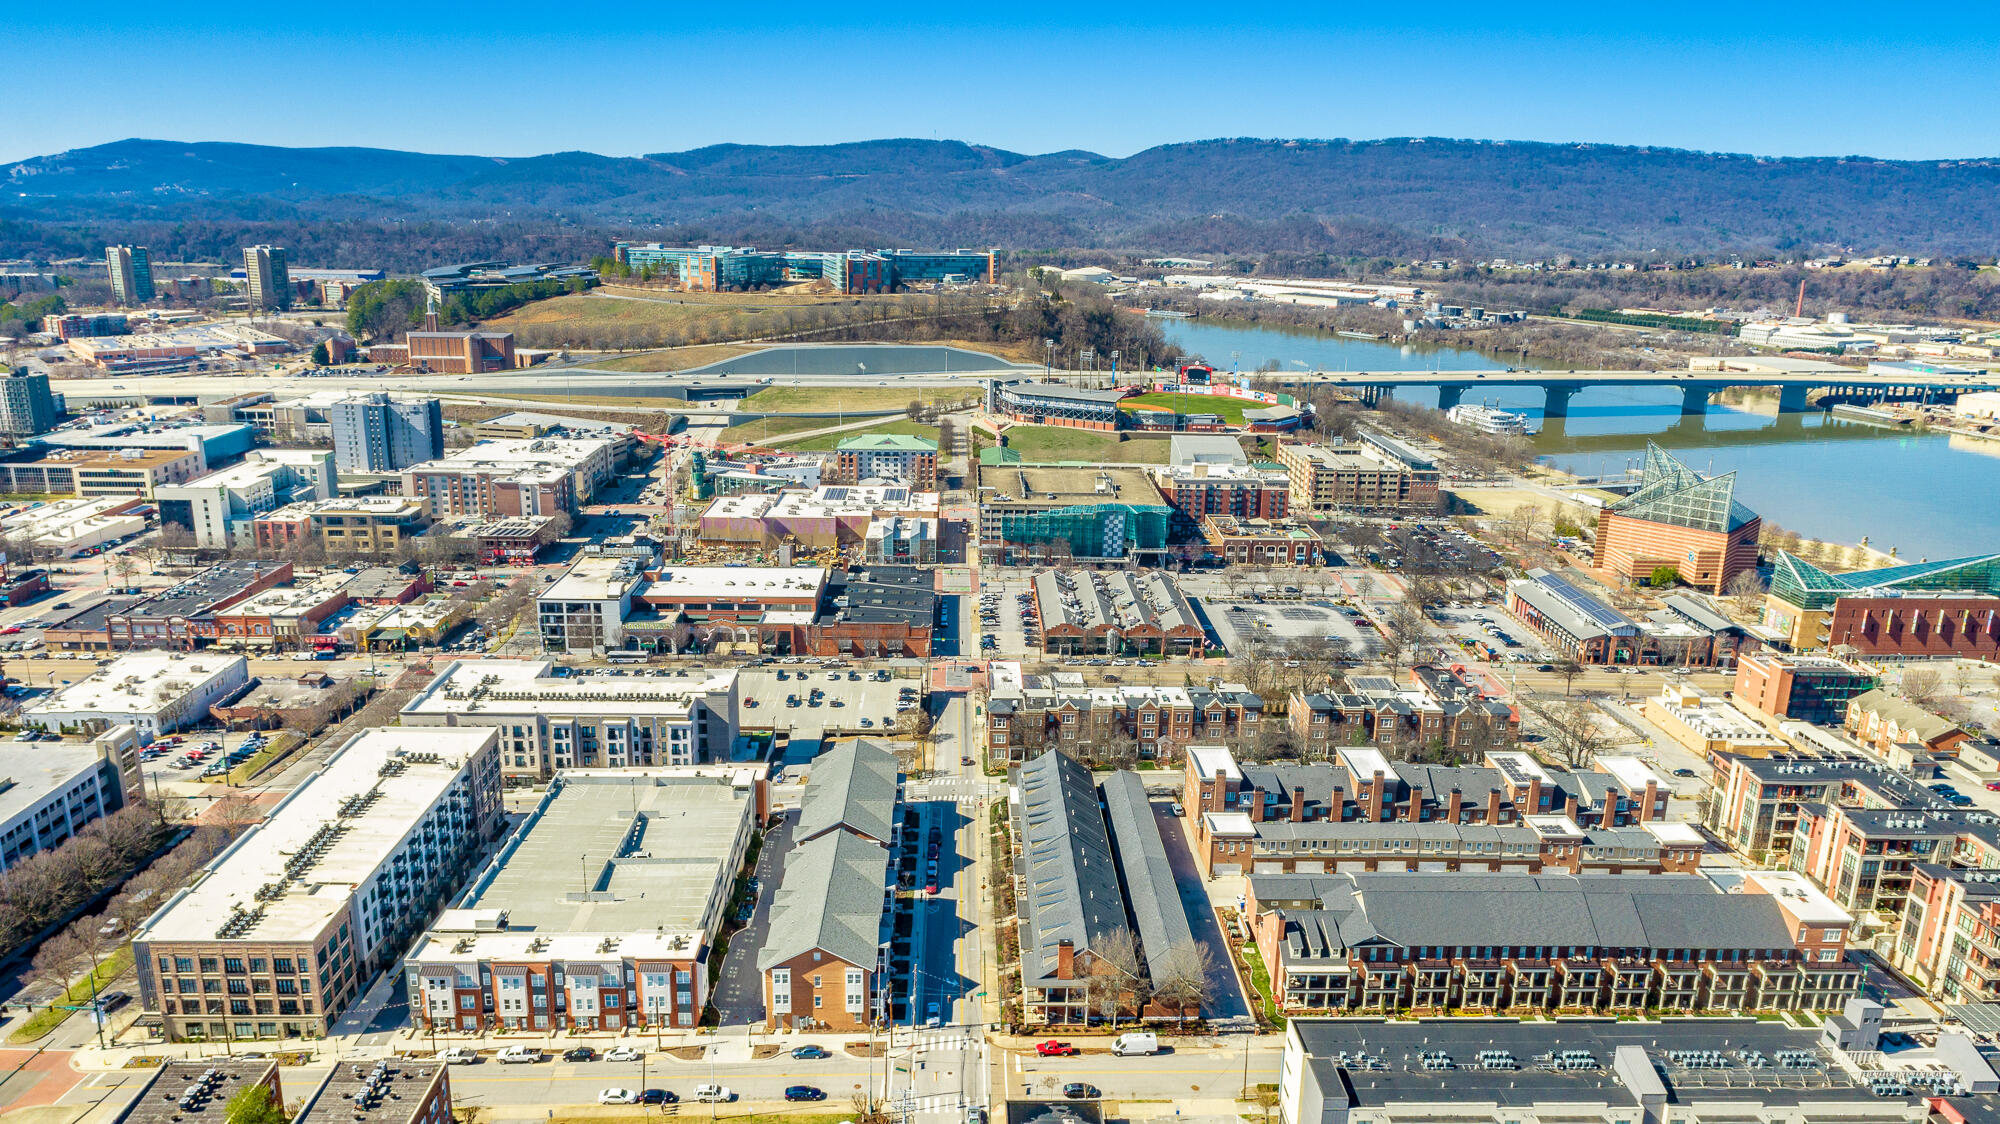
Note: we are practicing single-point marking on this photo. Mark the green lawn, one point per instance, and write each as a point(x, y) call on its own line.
point(49, 1018)
point(1261, 980)
point(826, 441)
point(859, 399)
point(1231, 409)
point(768, 429)
point(1044, 443)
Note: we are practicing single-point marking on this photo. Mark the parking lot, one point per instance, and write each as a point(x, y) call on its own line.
point(853, 699)
point(1471, 623)
point(1276, 621)
point(1003, 618)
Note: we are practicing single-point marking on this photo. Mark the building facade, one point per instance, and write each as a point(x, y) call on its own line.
point(886, 456)
point(1372, 473)
point(26, 406)
point(131, 270)
point(1813, 689)
point(378, 433)
point(265, 275)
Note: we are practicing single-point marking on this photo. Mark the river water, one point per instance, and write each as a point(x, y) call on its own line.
point(1927, 495)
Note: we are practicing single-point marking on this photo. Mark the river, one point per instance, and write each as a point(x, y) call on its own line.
point(1928, 495)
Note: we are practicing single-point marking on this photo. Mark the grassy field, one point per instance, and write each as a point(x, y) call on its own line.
point(825, 399)
point(673, 358)
point(770, 429)
point(49, 1018)
point(1231, 409)
point(827, 441)
point(1055, 443)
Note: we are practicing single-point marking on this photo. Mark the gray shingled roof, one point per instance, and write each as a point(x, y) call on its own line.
point(829, 897)
point(1072, 882)
point(1150, 889)
point(852, 786)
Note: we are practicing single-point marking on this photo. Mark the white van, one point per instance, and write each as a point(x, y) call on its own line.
point(1138, 1042)
point(519, 1054)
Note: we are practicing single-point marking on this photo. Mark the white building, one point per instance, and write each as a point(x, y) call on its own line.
point(154, 692)
point(221, 506)
point(590, 720)
point(48, 793)
point(70, 527)
point(585, 609)
point(304, 909)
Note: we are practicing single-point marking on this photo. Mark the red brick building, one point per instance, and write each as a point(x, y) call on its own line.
point(1679, 520)
point(460, 353)
point(1225, 489)
point(1918, 624)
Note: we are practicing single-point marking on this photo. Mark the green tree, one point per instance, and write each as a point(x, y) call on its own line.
point(1663, 576)
point(254, 1105)
point(320, 357)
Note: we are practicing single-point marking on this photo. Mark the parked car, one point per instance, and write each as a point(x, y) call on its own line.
point(624, 1054)
point(658, 1096)
point(580, 1054)
point(804, 1093)
point(1080, 1091)
point(514, 1055)
point(617, 1096)
point(804, 1053)
point(459, 1055)
point(1055, 1049)
point(713, 1094)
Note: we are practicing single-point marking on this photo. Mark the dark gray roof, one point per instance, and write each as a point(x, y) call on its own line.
point(1150, 889)
point(830, 897)
point(1604, 911)
point(1071, 881)
point(852, 786)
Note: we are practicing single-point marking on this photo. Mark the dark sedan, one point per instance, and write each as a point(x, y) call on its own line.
point(804, 1093)
point(1080, 1091)
point(805, 1052)
point(658, 1096)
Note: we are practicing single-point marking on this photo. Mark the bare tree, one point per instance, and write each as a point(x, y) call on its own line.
point(1115, 979)
point(1746, 588)
point(1401, 632)
point(1922, 686)
point(1575, 737)
point(1188, 977)
point(1567, 669)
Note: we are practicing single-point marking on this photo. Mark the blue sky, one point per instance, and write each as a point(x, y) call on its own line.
point(506, 78)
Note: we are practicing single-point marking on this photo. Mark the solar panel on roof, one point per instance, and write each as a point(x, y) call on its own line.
point(1589, 606)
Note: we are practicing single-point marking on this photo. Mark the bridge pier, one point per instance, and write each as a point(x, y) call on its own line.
point(1792, 398)
point(1694, 400)
point(1450, 394)
point(1556, 404)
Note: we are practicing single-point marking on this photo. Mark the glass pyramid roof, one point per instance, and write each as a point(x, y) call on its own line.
point(1799, 582)
point(1671, 492)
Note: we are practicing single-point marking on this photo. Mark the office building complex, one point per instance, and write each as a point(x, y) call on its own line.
point(220, 508)
point(372, 526)
point(1373, 473)
point(1679, 520)
point(156, 693)
point(1237, 491)
point(549, 722)
point(279, 933)
point(38, 470)
point(131, 274)
point(26, 406)
point(585, 610)
point(737, 268)
point(1813, 689)
point(599, 910)
point(264, 272)
point(895, 457)
point(1890, 611)
point(498, 479)
point(378, 433)
point(1438, 942)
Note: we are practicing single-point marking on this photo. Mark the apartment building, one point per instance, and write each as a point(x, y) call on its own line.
point(1949, 938)
point(598, 912)
point(1372, 473)
point(1881, 721)
point(543, 476)
point(1119, 612)
point(1754, 801)
point(1866, 858)
point(266, 277)
point(131, 269)
point(551, 719)
point(1236, 490)
point(1439, 708)
point(52, 792)
point(381, 433)
point(1438, 942)
point(281, 931)
point(220, 508)
point(900, 457)
point(1361, 785)
point(1261, 542)
point(371, 526)
point(1027, 714)
point(826, 962)
point(26, 406)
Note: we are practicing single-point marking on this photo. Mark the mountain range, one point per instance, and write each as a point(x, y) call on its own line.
point(1401, 197)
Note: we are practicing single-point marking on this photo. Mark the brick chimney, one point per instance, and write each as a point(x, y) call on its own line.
point(1452, 805)
point(1256, 805)
point(1298, 803)
point(1534, 796)
point(1493, 807)
point(1377, 790)
point(1415, 812)
point(1336, 804)
point(1065, 960)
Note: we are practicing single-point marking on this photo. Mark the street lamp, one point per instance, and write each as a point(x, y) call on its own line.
point(1048, 356)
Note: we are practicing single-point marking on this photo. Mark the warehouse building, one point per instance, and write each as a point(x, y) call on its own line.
point(156, 693)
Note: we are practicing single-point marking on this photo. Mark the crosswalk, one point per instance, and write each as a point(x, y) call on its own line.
point(935, 1040)
point(931, 1102)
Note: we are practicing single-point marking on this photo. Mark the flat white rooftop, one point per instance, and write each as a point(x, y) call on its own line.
point(35, 770)
point(596, 577)
point(703, 583)
point(513, 686)
point(135, 683)
point(312, 896)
